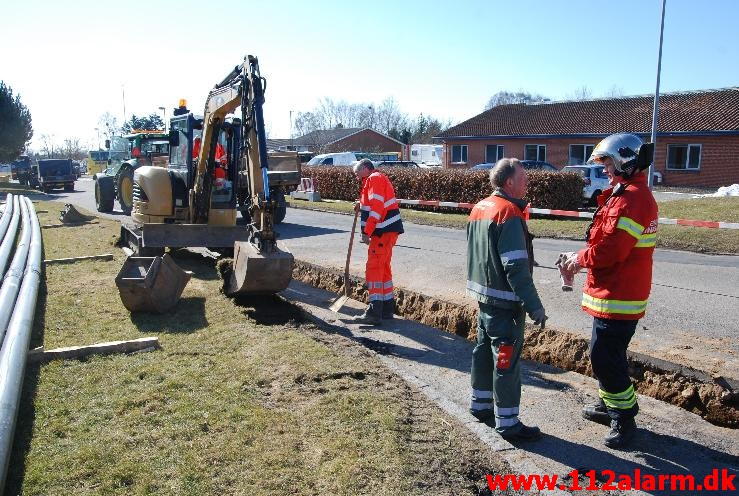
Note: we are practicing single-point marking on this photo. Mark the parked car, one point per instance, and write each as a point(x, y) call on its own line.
point(595, 180)
point(397, 163)
point(527, 164)
point(345, 158)
point(538, 165)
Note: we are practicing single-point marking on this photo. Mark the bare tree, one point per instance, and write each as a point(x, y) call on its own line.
point(614, 92)
point(581, 93)
point(108, 125)
point(47, 146)
point(72, 149)
point(510, 97)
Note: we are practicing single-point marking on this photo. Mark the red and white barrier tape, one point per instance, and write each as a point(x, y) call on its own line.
point(572, 213)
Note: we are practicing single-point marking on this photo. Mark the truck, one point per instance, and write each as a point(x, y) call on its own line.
point(126, 154)
point(20, 169)
point(55, 173)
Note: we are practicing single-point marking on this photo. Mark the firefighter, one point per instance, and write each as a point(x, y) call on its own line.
point(381, 226)
point(499, 276)
point(618, 256)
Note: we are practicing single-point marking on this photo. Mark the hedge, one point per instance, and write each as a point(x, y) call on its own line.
point(556, 190)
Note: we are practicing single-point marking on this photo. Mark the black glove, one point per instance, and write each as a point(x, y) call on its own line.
point(539, 317)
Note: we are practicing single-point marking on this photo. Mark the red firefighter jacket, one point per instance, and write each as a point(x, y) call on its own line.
point(380, 209)
point(619, 252)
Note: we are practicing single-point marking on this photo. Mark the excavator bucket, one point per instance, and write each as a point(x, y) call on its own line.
point(259, 273)
point(70, 215)
point(151, 284)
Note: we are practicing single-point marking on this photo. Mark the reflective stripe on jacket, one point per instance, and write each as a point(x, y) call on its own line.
point(619, 253)
point(380, 209)
point(500, 255)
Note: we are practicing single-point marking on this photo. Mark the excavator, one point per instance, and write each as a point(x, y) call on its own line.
point(193, 202)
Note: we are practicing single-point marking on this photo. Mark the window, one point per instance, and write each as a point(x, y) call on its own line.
point(459, 153)
point(535, 152)
point(684, 157)
point(414, 153)
point(579, 154)
point(493, 153)
point(328, 161)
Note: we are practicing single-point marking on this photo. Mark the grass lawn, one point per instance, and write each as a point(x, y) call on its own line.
point(696, 239)
point(241, 399)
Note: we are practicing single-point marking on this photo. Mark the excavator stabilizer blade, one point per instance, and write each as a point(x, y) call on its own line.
point(256, 272)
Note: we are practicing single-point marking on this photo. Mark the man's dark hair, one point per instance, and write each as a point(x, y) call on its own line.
point(365, 162)
point(504, 169)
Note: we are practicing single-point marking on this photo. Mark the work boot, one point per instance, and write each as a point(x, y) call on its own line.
point(388, 309)
point(521, 432)
point(622, 432)
point(596, 413)
point(371, 316)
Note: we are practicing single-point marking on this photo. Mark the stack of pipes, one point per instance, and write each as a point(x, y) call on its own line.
point(21, 236)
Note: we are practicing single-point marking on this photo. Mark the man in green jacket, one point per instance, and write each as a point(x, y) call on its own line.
point(499, 276)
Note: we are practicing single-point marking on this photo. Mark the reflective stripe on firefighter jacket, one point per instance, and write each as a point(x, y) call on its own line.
point(619, 253)
point(380, 208)
point(500, 254)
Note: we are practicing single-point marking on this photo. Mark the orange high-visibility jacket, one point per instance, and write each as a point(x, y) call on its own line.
point(380, 209)
point(619, 253)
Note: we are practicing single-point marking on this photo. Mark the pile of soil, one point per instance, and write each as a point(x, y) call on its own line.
point(549, 346)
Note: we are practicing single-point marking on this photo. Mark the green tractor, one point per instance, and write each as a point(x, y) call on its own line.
point(126, 154)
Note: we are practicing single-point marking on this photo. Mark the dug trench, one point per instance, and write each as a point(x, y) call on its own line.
point(713, 398)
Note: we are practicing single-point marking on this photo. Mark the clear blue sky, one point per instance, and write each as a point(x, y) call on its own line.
point(69, 60)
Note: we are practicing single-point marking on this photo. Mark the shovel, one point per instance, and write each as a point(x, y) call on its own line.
point(341, 300)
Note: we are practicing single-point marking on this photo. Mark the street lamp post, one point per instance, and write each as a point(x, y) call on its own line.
point(97, 129)
point(655, 110)
point(164, 117)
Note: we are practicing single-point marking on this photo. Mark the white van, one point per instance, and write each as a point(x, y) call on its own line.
point(344, 158)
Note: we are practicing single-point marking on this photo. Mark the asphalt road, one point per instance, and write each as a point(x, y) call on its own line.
point(693, 313)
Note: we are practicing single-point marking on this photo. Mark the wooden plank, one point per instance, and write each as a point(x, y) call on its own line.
point(50, 226)
point(39, 355)
point(106, 256)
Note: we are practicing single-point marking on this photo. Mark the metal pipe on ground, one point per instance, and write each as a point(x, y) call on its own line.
point(12, 281)
point(7, 212)
point(8, 238)
point(14, 352)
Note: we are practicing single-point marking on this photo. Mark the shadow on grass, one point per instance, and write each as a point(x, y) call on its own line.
point(268, 310)
point(201, 266)
point(188, 316)
point(26, 409)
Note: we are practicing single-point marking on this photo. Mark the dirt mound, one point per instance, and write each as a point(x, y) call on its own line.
point(561, 349)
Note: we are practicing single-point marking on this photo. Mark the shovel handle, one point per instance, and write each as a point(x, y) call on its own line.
point(349, 254)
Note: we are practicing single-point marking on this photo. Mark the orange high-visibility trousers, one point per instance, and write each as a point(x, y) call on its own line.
point(378, 273)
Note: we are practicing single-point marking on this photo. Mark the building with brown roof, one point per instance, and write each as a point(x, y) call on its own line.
point(697, 139)
point(363, 139)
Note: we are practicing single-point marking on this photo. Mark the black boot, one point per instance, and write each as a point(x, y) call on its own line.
point(622, 432)
point(596, 413)
point(371, 316)
point(521, 432)
point(388, 309)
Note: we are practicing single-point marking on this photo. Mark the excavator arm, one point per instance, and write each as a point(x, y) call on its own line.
point(244, 87)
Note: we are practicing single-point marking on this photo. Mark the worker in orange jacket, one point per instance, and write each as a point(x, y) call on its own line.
point(381, 226)
point(618, 256)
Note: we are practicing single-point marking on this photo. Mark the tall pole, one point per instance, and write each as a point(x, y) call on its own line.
point(123, 92)
point(655, 110)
